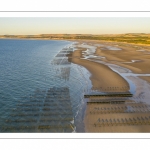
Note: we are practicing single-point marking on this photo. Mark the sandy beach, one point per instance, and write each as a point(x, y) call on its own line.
point(99, 78)
point(112, 65)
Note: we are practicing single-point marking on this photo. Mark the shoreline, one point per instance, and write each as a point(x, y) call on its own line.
point(91, 119)
point(99, 72)
point(105, 41)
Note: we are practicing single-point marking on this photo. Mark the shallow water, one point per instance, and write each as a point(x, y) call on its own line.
point(34, 79)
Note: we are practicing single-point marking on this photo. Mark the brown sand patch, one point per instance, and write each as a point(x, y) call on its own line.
point(127, 54)
point(138, 118)
point(102, 76)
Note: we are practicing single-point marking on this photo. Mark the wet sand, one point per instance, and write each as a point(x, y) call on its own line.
point(100, 79)
point(125, 56)
point(116, 120)
point(134, 114)
point(146, 78)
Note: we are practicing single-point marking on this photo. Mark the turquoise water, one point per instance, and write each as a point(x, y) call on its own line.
point(40, 91)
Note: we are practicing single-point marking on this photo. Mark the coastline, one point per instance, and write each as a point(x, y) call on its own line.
point(97, 67)
point(99, 78)
point(108, 64)
point(71, 37)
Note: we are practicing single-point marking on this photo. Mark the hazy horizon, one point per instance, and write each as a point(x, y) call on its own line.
point(73, 25)
point(70, 34)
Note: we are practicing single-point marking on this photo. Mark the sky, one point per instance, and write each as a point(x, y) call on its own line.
point(73, 25)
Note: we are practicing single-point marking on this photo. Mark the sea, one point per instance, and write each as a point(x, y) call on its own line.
point(40, 89)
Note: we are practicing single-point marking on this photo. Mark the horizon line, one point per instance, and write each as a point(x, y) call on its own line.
point(76, 34)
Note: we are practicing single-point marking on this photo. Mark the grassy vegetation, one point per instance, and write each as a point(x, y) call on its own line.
point(140, 38)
